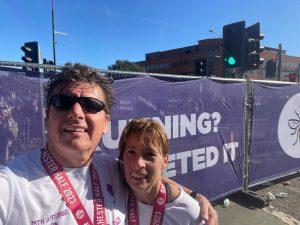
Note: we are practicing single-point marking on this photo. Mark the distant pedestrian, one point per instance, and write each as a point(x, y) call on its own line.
point(8, 131)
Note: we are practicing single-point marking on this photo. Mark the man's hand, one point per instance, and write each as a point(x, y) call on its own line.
point(208, 213)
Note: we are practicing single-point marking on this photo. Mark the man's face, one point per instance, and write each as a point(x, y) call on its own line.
point(75, 131)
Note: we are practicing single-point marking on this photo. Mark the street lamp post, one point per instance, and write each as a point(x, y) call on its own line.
point(53, 34)
point(220, 49)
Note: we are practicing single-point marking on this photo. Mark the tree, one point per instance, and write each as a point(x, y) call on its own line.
point(125, 65)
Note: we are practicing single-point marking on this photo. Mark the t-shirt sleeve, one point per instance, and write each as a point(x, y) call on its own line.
point(6, 195)
point(11, 202)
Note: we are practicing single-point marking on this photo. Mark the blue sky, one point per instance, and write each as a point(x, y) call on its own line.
point(102, 31)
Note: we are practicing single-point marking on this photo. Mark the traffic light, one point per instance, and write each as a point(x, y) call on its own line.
point(200, 67)
point(292, 77)
point(271, 68)
point(31, 53)
point(252, 47)
point(48, 70)
point(233, 45)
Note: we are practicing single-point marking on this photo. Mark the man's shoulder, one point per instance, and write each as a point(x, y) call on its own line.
point(26, 162)
point(105, 161)
point(104, 157)
point(7, 178)
point(26, 156)
point(108, 168)
point(4, 170)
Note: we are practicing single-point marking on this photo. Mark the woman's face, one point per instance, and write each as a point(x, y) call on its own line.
point(143, 163)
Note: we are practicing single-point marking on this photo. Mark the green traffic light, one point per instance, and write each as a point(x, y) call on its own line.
point(231, 61)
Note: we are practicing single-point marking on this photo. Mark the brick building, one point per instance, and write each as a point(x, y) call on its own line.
point(184, 61)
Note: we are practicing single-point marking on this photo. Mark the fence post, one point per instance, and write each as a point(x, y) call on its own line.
point(248, 107)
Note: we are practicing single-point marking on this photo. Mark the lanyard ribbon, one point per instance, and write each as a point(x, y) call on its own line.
point(157, 212)
point(66, 189)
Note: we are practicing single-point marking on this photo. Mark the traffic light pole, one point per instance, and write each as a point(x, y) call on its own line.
point(279, 61)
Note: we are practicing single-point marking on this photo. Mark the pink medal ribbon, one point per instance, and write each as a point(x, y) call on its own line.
point(157, 212)
point(66, 189)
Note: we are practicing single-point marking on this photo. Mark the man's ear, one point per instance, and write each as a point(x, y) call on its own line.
point(106, 123)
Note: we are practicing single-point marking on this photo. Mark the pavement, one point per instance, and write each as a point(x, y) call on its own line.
point(241, 212)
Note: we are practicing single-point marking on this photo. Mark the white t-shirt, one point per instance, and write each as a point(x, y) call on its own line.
point(184, 210)
point(29, 196)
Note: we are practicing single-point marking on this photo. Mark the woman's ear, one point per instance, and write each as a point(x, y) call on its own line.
point(165, 162)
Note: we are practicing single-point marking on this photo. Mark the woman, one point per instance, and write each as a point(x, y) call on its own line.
point(144, 151)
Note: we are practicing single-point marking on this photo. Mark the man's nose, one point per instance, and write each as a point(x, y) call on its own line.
point(76, 111)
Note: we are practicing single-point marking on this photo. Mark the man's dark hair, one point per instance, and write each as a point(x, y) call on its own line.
point(72, 74)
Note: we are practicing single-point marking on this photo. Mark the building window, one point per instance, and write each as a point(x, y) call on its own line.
point(188, 51)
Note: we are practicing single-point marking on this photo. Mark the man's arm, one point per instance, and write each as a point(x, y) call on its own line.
point(207, 211)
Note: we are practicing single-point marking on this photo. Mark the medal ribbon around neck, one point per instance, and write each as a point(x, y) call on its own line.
point(157, 212)
point(66, 189)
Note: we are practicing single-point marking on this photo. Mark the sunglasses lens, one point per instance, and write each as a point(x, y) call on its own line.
point(91, 104)
point(88, 104)
point(62, 102)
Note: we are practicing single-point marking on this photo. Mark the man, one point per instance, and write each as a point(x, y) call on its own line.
point(65, 182)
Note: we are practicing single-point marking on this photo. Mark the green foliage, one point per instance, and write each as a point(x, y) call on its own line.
point(125, 65)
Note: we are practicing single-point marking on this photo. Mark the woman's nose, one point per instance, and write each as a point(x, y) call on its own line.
point(140, 162)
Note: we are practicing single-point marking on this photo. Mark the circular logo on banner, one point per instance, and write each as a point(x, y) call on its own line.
point(79, 214)
point(289, 127)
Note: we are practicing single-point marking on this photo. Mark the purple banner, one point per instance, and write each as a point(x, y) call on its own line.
point(275, 143)
point(204, 122)
point(21, 117)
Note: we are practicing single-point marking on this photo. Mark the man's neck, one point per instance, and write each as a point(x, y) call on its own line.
point(73, 159)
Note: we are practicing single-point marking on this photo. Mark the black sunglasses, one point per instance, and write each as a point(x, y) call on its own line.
point(66, 102)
